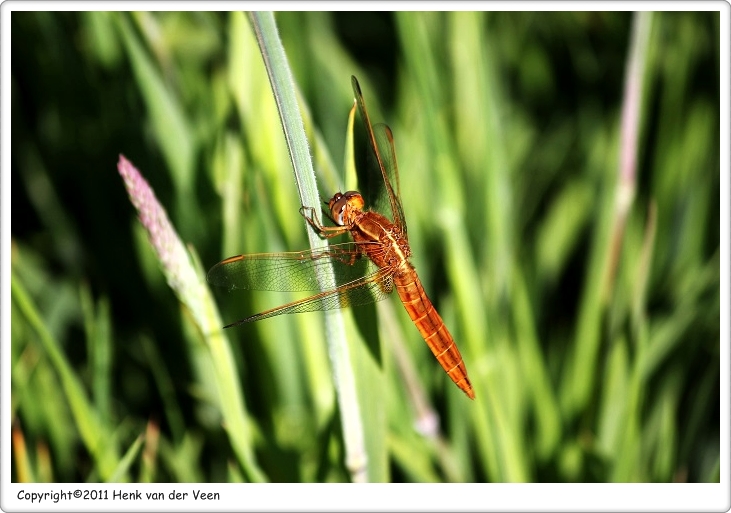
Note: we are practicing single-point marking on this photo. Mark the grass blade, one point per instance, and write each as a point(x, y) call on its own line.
point(284, 92)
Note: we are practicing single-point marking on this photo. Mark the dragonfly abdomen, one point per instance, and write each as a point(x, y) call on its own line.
point(432, 329)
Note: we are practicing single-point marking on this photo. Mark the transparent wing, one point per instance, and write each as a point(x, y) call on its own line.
point(363, 291)
point(292, 271)
point(382, 190)
point(355, 280)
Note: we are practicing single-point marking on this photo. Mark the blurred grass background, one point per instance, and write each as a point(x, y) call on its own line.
point(594, 358)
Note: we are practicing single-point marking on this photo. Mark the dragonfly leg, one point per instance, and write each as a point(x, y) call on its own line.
point(325, 231)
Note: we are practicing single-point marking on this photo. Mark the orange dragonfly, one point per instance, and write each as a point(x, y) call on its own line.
point(366, 270)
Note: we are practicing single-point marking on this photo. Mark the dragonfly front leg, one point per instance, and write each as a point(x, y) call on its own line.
point(325, 231)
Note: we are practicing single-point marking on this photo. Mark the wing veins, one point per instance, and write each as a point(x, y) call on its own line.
point(374, 283)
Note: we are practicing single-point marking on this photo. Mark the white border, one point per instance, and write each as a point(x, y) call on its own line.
point(389, 497)
point(360, 5)
point(333, 497)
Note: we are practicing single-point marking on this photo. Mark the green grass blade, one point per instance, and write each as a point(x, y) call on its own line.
point(343, 374)
point(185, 277)
point(125, 463)
point(86, 418)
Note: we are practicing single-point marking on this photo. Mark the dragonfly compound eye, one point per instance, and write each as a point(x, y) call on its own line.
point(337, 208)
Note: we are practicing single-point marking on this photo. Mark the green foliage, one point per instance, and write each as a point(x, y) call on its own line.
point(591, 336)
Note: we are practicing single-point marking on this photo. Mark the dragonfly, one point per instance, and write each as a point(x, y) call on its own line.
point(366, 270)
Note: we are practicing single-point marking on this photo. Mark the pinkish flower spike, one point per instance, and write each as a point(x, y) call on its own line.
point(164, 239)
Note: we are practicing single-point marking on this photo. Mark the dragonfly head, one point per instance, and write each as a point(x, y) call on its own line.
point(343, 206)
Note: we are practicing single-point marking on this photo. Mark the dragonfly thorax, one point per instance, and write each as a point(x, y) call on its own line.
point(344, 206)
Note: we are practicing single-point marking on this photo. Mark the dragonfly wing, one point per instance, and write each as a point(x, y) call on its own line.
point(382, 190)
point(387, 152)
point(292, 271)
point(362, 291)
